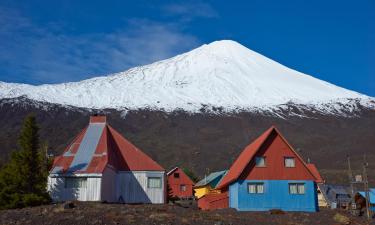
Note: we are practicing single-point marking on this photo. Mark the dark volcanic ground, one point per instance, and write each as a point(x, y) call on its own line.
point(97, 213)
point(205, 142)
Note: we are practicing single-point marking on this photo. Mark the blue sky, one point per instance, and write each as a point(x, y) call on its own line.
point(58, 41)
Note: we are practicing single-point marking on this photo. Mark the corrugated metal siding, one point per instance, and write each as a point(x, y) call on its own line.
point(58, 192)
point(132, 187)
point(109, 185)
point(276, 196)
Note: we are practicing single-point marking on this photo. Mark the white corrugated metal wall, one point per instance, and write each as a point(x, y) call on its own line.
point(109, 185)
point(58, 191)
point(127, 187)
point(132, 187)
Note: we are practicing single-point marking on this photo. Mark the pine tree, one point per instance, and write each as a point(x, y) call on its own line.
point(23, 179)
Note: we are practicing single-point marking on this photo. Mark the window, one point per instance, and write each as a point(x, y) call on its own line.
point(297, 188)
point(289, 162)
point(182, 187)
point(176, 175)
point(75, 182)
point(260, 161)
point(154, 182)
point(255, 188)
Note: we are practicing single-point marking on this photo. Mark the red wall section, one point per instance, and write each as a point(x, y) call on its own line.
point(214, 201)
point(174, 184)
point(274, 150)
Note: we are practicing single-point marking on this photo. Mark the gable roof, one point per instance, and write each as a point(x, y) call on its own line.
point(371, 193)
point(315, 172)
point(99, 145)
point(247, 155)
point(172, 170)
point(183, 176)
point(333, 193)
point(210, 178)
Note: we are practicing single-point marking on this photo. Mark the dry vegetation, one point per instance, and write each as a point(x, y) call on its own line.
point(97, 213)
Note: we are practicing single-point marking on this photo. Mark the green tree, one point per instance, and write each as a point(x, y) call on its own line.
point(23, 179)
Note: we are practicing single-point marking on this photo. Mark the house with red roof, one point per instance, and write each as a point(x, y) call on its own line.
point(269, 174)
point(179, 184)
point(101, 165)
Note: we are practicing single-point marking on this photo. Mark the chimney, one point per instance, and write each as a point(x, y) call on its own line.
point(96, 118)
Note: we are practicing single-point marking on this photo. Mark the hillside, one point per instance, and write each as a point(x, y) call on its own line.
point(204, 141)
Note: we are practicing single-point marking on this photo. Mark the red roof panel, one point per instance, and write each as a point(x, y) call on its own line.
point(278, 148)
point(111, 148)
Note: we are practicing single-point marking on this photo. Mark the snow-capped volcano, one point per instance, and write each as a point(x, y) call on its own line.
point(220, 74)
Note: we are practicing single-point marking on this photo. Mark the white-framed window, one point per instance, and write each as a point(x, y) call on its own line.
point(260, 161)
point(75, 182)
point(182, 187)
point(154, 182)
point(255, 188)
point(289, 162)
point(297, 188)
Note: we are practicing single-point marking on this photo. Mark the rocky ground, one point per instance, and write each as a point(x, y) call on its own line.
point(98, 213)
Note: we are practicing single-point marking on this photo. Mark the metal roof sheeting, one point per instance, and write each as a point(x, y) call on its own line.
point(215, 176)
point(87, 147)
point(243, 160)
point(372, 195)
point(99, 145)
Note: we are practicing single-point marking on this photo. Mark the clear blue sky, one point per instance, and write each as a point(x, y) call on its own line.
point(58, 41)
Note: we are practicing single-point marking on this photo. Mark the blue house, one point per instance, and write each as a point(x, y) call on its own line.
point(269, 174)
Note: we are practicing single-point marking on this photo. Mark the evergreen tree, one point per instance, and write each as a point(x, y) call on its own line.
point(23, 179)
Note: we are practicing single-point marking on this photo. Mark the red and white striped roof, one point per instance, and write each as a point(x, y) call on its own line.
point(99, 145)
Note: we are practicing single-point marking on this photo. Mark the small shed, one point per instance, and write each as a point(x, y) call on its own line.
point(179, 184)
point(101, 165)
point(336, 196)
point(208, 184)
point(360, 197)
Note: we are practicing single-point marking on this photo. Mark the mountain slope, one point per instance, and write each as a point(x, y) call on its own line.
point(221, 74)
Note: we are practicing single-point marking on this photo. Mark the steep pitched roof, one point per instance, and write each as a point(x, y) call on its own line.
point(247, 155)
point(210, 178)
point(315, 172)
point(183, 178)
point(99, 145)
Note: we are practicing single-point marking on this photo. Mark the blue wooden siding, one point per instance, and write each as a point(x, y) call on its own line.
point(276, 196)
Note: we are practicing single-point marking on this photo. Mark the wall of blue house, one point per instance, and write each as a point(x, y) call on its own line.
point(276, 196)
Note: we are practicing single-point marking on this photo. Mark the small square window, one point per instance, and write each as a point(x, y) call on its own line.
point(182, 187)
point(255, 188)
point(260, 161)
point(297, 188)
point(176, 175)
point(289, 162)
point(154, 182)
